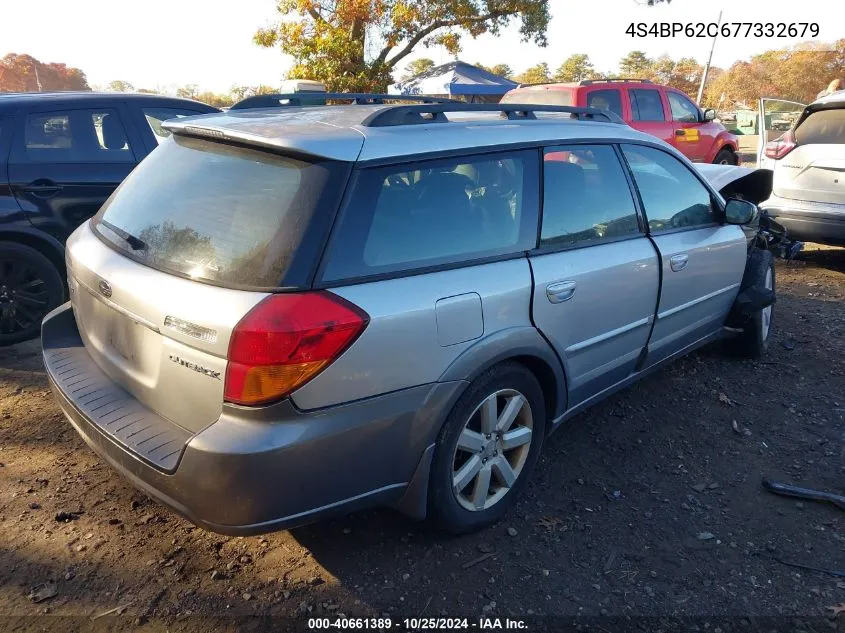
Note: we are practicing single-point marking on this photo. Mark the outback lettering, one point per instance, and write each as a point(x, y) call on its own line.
point(197, 368)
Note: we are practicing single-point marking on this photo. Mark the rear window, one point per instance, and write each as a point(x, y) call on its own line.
point(540, 97)
point(224, 214)
point(822, 127)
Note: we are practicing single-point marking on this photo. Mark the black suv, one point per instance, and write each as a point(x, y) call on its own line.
point(61, 155)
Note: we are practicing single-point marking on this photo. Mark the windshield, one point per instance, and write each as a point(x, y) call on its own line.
point(219, 213)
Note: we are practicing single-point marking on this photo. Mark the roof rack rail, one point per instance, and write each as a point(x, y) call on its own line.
point(283, 100)
point(436, 113)
point(622, 80)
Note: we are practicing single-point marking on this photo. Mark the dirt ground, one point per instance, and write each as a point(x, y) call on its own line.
point(650, 504)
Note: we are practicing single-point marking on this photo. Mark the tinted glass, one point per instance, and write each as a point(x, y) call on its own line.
point(436, 212)
point(605, 100)
point(76, 136)
point(646, 105)
point(540, 97)
point(585, 196)
point(215, 212)
point(155, 116)
point(672, 196)
point(822, 127)
point(683, 109)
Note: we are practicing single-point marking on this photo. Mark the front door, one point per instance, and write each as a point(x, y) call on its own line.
point(702, 260)
point(64, 163)
point(694, 137)
point(596, 274)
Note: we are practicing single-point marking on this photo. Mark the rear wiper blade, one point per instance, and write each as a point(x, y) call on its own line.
point(135, 243)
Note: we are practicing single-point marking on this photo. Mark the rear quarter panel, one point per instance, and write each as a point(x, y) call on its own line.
point(413, 323)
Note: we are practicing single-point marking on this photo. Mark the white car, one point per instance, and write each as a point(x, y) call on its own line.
point(808, 161)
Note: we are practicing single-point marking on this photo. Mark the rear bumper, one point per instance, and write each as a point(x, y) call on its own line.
point(808, 221)
point(254, 470)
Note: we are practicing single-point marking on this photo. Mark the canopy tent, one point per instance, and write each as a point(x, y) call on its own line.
point(456, 80)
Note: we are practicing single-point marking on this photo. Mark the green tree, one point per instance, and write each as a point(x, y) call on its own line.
point(636, 64)
point(147, 91)
point(214, 99)
point(328, 39)
point(189, 91)
point(417, 67)
point(575, 68)
point(538, 74)
point(502, 70)
point(119, 85)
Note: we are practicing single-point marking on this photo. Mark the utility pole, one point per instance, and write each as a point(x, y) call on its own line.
point(709, 59)
point(37, 78)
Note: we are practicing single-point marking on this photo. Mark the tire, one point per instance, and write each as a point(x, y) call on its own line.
point(30, 286)
point(754, 339)
point(726, 156)
point(458, 511)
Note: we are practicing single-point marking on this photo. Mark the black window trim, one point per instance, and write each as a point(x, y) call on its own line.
point(546, 249)
point(715, 198)
point(320, 283)
point(17, 146)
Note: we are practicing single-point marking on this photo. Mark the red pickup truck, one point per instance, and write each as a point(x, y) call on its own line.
point(646, 106)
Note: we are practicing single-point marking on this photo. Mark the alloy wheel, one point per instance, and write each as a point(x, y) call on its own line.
point(492, 449)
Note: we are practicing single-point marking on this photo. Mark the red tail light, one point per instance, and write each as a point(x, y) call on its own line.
point(780, 147)
point(285, 341)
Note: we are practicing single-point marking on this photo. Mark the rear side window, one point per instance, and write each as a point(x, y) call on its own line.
point(585, 196)
point(224, 214)
point(646, 105)
point(431, 213)
point(822, 127)
point(672, 196)
point(156, 116)
point(75, 136)
point(605, 100)
point(559, 97)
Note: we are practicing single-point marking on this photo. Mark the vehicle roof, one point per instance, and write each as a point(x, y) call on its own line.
point(340, 133)
point(20, 98)
point(590, 83)
point(833, 98)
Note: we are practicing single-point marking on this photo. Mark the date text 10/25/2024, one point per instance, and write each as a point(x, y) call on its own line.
point(416, 624)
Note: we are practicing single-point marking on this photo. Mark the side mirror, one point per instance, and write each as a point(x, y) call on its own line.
point(740, 211)
point(709, 114)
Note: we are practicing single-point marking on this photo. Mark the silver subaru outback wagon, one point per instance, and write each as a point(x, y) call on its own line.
point(284, 315)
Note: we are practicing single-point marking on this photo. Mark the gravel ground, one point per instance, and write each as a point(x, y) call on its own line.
point(649, 504)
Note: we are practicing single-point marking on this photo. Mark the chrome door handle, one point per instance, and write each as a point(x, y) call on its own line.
point(678, 262)
point(560, 291)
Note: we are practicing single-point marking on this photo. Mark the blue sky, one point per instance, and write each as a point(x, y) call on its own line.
point(176, 42)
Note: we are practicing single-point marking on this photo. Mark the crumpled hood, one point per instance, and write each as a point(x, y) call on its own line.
point(748, 183)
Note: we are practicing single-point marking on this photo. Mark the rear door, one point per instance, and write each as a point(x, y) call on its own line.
point(815, 170)
point(65, 162)
point(693, 136)
point(774, 118)
point(604, 99)
point(596, 274)
point(648, 113)
point(702, 261)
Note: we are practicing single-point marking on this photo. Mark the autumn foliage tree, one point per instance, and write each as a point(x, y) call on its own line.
point(354, 45)
point(23, 73)
point(798, 74)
